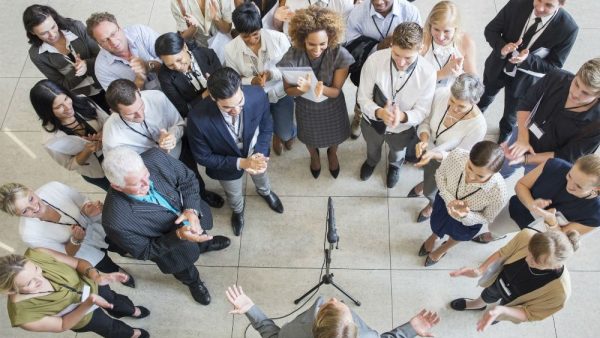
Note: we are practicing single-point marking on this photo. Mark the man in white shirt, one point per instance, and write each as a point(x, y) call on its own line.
point(147, 119)
point(395, 95)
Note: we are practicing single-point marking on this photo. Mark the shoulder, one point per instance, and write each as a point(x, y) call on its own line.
point(52, 187)
point(425, 67)
point(458, 156)
point(441, 96)
point(558, 166)
point(154, 97)
point(565, 19)
point(254, 94)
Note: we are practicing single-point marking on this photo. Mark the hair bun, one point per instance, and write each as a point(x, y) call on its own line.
point(574, 238)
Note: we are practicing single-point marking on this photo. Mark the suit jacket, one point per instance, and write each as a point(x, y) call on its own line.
point(147, 230)
point(176, 85)
point(301, 326)
point(212, 144)
point(558, 37)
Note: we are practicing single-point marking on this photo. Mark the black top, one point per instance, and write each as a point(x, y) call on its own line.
point(568, 134)
point(518, 278)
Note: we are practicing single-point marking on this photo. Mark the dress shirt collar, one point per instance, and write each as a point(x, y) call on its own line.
point(395, 11)
point(113, 58)
point(46, 47)
point(545, 19)
point(263, 45)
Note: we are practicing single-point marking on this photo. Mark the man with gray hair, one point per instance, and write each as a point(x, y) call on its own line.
point(154, 212)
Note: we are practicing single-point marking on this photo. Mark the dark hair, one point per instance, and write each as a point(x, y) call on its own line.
point(408, 35)
point(223, 83)
point(246, 18)
point(168, 44)
point(487, 154)
point(42, 97)
point(121, 91)
point(35, 15)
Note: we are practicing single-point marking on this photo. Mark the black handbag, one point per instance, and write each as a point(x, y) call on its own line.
point(381, 100)
point(359, 48)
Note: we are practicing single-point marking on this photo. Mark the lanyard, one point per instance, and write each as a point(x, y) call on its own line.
point(583, 105)
point(537, 30)
point(64, 213)
point(436, 58)
point(438, 133)
point(137, 132)
point(412, 68)
point(388, 29)
point(467, 195)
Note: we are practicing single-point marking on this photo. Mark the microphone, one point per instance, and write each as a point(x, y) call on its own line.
point(332, 236)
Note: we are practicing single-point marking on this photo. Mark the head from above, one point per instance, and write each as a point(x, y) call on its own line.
point(314, 29)
point(465, 93)
point(18, 275)
point(43, 24)
point(18, 200)
point(442, 24)
point(334, 320)
point(583, 180)
point(383, 7)
point(542, 8)
point(550, 249)
point(485, 159)
point(407, 41)
point(126, 171)
point(585, 87)
point(248, 22)
point(123, 97)
point(224, 86)
point(173, 52)
point(103, 27)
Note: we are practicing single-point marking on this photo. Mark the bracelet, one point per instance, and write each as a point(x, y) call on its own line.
point(525, 158)
point(87, 271)
point(74, 241)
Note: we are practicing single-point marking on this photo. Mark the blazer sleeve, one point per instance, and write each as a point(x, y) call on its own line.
point(494, 30)
point(261, 323)
point(91, 45)
point(42, 62)
point(404, 331)
point(168, 87)
point(200, 147)
point(265, 132)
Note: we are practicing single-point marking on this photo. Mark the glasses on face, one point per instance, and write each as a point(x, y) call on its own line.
point(228, 109)
point(112, 36)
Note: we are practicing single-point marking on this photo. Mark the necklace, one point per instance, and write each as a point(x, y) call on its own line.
point(538, 274)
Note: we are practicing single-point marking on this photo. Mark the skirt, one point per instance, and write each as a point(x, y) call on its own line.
point(443, 224)
point(322, 124)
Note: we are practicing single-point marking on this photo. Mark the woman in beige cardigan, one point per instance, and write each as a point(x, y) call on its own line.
point(530, 279)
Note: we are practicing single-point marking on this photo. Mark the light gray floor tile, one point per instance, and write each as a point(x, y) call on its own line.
point(573, 320)
point(13, 40)
point(586, 47)
point(161, 18)
point(7, 88)
point(20, 115)
point(127, 12)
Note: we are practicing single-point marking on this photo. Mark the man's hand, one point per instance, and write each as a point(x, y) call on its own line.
point(77, 232)
point(423, 321)
point(166, 141)
point(283, 14)
point(390, 114)
point(421, 147)
point(107, 278)
point(255, 164)
point(304, 83)
point(260, 79)
point(466, 272)
point(510, 47)
point(236, 297)
point(519, 148)
point(189, 218)
point(80, 66)
point(191, 21)
point(427, 157)
point(519, 58)
point(549, 215)
point(92, 209)
point(139, 67)
point(488, 317)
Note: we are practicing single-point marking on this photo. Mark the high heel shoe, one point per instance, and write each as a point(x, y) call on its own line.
point(333, 172)
point(316, 172)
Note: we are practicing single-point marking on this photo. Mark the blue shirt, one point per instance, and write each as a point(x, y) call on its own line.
point(363, 18)
point(155, 197)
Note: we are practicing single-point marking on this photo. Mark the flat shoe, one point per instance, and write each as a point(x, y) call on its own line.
point(143, 333)
point(413, 193)
point(144, 312)
point(430, 262)
point(460, 304)
point(422, 218)
point(423, 251)
point(482, 239)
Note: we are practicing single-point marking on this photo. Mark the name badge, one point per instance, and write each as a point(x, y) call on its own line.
point(536, 130)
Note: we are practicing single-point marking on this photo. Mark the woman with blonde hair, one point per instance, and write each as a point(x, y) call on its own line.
point(445, 45)
point(531, 283)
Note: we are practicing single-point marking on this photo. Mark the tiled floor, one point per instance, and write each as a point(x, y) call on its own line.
point(279, 256)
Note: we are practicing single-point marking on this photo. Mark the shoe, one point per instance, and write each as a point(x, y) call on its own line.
point(393, 175)
point(316, 172)
point(430, 262)
point(355, 126)
point(277, 145)
point(366, 171)
point(213, 199)
point(144, 312)
point(413, 192)
point(460, 304)
point(143, 333)
point(274, 202)
point(289, 144)
point(215, 244)
point(237, 222)
point(130, 282)
point(487, 237)
point(334, 172)
point(422, 217)
point(423, 251)
point(200, 293)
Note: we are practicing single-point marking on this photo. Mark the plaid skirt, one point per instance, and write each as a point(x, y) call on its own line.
point(322, 124)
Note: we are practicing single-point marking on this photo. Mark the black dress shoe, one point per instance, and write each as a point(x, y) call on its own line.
point(413, 192)
point(130, 282)
point(460, 304)
point(200, 293)
point(237, 222)
point(144, 333)
point(144, 312)
point(423, 251)
point(366, 171)
point(393, 176)
point(215, 244)
point(430, 262)
point(213, 199)
point(333, 172)
point(274, 202)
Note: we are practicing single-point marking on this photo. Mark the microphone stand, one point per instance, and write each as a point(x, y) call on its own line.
point(327, 278)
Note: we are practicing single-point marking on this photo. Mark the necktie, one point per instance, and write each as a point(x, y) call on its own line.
point(233, 120)
point(525, 42)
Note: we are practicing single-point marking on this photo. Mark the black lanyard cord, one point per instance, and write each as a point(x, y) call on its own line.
point(137, 132)
point(389, 26)
point(436, 58)
point(64, 213)
point(395, 92)
point(438, 133)
point(467, 195)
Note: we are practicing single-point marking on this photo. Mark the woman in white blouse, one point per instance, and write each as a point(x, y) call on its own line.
point(455, 121)
point(445, 45)
point(74, 130)
point(254, 54)
point(57, 217)
point(471, 193)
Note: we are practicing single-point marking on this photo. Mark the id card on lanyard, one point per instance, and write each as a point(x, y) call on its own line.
point(533, 127)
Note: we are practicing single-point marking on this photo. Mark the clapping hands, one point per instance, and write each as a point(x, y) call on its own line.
point(92, 209)
point(458, 209)
point(390, 114)
point(257, 164)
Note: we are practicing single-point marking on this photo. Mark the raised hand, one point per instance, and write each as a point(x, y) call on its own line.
point(510, 47)
point(423, 321)
point(139, 67)
point(236, 297)
point(466, 272)
point(283, 14)
point(80, 66)
point(191, 21)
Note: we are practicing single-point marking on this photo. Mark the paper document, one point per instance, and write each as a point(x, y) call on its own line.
point(70, 144)
point(291, 76)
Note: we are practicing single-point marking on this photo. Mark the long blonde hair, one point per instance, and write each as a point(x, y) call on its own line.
point(443, 12)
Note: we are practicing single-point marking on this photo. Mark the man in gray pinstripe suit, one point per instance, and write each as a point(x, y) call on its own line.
point(154, 212)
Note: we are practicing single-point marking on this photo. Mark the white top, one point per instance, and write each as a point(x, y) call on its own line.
point(159, 112)
point(192, 8)
point(41, 234)
point(414, 99)
point(463, 134)
point(485, 204)
point(273, 45)
point(439, 56)
point(365, 21)
point(66, 158)
point(343, 7)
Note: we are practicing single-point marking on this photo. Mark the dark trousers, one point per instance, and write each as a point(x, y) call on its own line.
point(188, 159)
point(101, 183)
point(107, 265)
point(493, 293)
point(519, 213)
point(511, 99)
point(188, 276)
point(105, 325)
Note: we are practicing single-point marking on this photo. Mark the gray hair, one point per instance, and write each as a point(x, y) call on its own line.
point(119, 162)
point(467, 87)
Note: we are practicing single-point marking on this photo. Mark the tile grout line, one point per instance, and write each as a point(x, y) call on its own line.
point(13, 93)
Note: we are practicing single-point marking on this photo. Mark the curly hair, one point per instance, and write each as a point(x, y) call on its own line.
point(97, 18)
point(315, 19)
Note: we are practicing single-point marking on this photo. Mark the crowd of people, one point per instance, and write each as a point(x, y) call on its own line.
point(141, 115)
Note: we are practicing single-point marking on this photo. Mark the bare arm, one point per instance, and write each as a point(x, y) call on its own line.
point(339, 77)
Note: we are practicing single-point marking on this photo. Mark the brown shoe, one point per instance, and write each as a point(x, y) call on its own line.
point(355, 125)
point(277, 145)
point(289, 144)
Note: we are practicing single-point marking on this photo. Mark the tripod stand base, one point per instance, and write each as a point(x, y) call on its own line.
point(327, 279)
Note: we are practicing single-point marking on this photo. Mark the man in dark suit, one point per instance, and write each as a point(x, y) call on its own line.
point(529, 38)
point(183, 77)
point(231, 134)
point(154, 212)
point(330, 319)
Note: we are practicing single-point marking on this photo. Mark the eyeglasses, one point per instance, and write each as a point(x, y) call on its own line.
point(112, 36)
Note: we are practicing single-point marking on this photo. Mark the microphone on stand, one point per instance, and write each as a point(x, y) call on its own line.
point(332, 236)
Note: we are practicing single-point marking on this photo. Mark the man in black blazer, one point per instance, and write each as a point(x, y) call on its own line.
point(529, 38)
point(183, 77)
point(231, 134)
point(154, 212)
